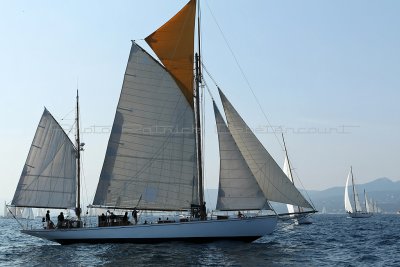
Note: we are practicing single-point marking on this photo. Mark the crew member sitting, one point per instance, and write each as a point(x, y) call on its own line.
point(60, 221)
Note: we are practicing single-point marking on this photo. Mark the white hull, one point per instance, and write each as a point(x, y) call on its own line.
point(303, 220)
point(246, 229)
point(359, 214)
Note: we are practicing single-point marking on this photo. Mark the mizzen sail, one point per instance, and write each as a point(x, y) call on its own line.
point(48, 178)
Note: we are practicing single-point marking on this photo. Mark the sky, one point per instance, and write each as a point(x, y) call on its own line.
point(325, 73)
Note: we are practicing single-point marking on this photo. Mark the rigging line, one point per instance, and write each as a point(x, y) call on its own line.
point(298, 179)
point(205, 83)
point(68, 114)
point(209, 91)
point(244, 76)
point(83, 178)
point(14, 216)
point(203, 126)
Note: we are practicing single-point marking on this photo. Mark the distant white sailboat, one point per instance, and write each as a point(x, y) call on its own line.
point(12, 211)
point(295, 212)
point(323, 210)
point(355, 211)
point(27, 213)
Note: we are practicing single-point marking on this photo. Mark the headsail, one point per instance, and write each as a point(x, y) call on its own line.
point(347, 203)
point(48, 178)
point(27, 213)
point(367, 203)
point(286, 170)
point(270, 177)
point(173, 44)
point(150, 161)
point(238, 188)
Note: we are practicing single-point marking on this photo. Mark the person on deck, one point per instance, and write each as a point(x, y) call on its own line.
point(44, 223)
point(48, 218)
point(103, 220)
point(134, 214)
point(60, 219)
point(125, 219)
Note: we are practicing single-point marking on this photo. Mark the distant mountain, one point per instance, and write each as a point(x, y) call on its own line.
point(382, 190)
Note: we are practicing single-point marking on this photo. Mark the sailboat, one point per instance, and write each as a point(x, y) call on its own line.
point(154, 157)
point(295, 212)
point(12, 212)
point(368, 205)
point(27, 213)
point(355, 211)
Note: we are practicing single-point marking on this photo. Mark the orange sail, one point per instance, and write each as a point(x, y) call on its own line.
point(173, 43)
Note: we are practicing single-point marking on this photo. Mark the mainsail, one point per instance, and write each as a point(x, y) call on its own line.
point(347, 203)
point(48, 178)
point(270, 177)
point(238, 188)
point(150, 161)
point(367, 203)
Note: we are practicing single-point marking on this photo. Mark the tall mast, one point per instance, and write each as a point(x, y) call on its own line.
point(354, 192)
point(290, 168)
point(78, 161)
point(365, 197)
point(203, 214)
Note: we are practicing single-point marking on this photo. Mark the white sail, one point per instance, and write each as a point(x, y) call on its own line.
point(12, 211)
point(347, 203)
point(367, 204)
point(270, 177)
point(48, 178)
point(238, 188)
point(150, 161)
point(5, 211)
point(286, 170)
point(27, 213)
point(357, 200)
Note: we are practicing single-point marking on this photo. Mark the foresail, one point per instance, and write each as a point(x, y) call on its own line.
point(367, 203)
point(238, 188)
point(27, 213)
point(270, 177)
point(347, 203)
point(48, 178)
point(357, 200)
point(150, 161)
point(286, 170)
point(173, 44)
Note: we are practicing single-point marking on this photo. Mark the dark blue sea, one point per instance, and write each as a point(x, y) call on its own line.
point(332, 240)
